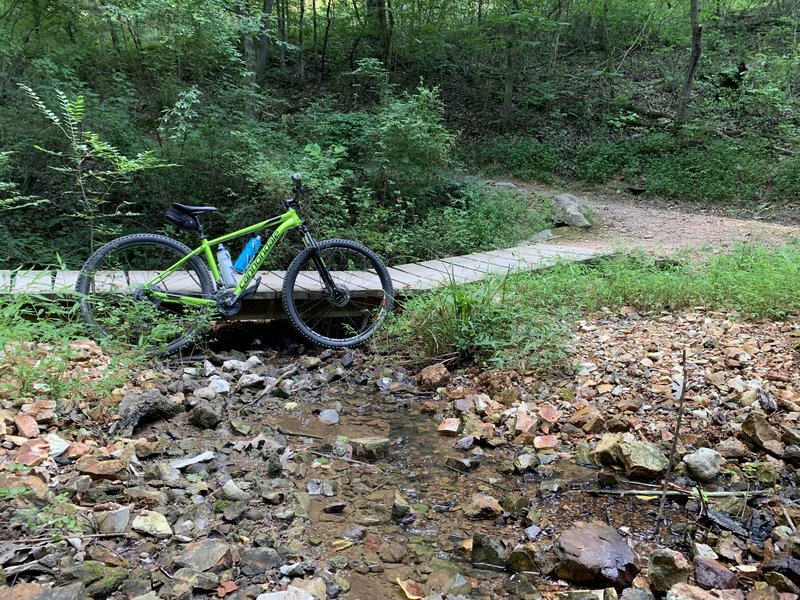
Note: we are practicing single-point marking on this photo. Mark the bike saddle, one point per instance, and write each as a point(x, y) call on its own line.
point(194, 210)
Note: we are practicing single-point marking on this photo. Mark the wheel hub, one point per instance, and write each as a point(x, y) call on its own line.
point(340, 296)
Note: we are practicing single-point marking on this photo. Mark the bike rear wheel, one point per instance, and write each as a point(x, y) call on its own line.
point(350, 312)
point(120, 308)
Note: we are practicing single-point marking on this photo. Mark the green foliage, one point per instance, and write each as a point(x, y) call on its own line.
point(411, 149)
point(38, 353)
point(94, 165)
point(486, 322)
point(56, 518)
point(522, 157)
point(519, 319)
point(786, 181)
point(10, 198)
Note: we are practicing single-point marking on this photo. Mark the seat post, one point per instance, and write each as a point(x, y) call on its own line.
point(200, 231)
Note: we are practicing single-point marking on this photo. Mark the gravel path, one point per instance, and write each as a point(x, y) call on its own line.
point(623, 222)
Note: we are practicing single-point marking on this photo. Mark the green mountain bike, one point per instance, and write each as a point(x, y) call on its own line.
point(152, 290)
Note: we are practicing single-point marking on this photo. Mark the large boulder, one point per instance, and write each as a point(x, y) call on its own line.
point(595, 553)
point(570, 210)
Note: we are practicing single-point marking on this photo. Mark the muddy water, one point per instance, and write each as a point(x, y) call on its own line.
point(438, 536)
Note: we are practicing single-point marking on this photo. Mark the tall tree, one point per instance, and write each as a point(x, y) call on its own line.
point(691, 71)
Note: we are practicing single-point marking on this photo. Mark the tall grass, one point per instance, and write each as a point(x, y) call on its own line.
point(523, 319)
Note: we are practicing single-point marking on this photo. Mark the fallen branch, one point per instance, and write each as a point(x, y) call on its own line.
point(679, 493)
point(283, 431)
point(672, 450)
point(350, 460)
point(497, 485)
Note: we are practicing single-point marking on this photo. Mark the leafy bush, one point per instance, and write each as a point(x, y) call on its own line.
point(709, 171)
point(519, 319)
point(486, 322)
point(522, 157)
point(786, 180)
point(602, 161)
point(411, 148)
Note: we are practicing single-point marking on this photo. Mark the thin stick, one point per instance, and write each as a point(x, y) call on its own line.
point(350, 460)
point(680, 493)
point(672, 450)
point(61, 537)
point(788, 518)
point(497, 485)
point(297, 434)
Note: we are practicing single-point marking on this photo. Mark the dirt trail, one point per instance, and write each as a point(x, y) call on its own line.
point(662, 227)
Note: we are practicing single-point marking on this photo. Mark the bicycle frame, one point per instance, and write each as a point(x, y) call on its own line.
point(283, 223)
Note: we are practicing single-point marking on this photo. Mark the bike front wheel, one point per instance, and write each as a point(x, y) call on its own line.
point(129, 293)
point(337, 293)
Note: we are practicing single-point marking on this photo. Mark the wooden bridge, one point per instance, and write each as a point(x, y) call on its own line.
point(407, 279)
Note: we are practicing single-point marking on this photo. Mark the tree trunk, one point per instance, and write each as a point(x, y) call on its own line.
point(282, 30)
point(694, 59)
point(609, 51)
point(301, 26)
point(511, 68)
point(328, 20)
point(262, 43)
point(376, 11)
point(314, 25)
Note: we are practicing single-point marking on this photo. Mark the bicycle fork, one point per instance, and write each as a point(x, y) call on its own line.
point(323, 271)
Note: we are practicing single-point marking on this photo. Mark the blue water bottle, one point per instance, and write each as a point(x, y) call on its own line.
point(247, 254)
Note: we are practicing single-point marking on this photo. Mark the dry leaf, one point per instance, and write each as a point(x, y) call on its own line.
point(225, 588)
point(412, 590)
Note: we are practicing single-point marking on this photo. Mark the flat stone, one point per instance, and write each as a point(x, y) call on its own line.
point(152, 523)
point(482, 506)
point(113, 521)
point(711, 574)
point(594, 552)
point(667, 567)
point(487, 553)
point(703, 464)
point(291, 593)
point(26, 425)
point(257, 561)
point(197, 579)
point(522, 559)
point(58, 445)
point(549, 413)
point(33, 452)
point(371, 447)
point(642, 460)
point(541, 442)
point(684, 591)
point(102, 469)
point(182, 463)
point(758, 431)
point(433, 376)
point(570, 210)
point(205, 415)
point(450, 426)
point(33, 591)
point(231, 491)
point(329, 416)
point(731, 448)
point(204, 555)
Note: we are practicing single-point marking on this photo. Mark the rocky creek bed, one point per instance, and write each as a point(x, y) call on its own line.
point(279, 475)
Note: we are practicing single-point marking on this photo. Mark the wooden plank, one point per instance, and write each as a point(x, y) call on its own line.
point(64, 281)
point(422, 272)
point(407, 282)
point(33, 282)
point(271, 280)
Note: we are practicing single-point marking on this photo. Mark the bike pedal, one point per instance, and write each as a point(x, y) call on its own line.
point(249, 290)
